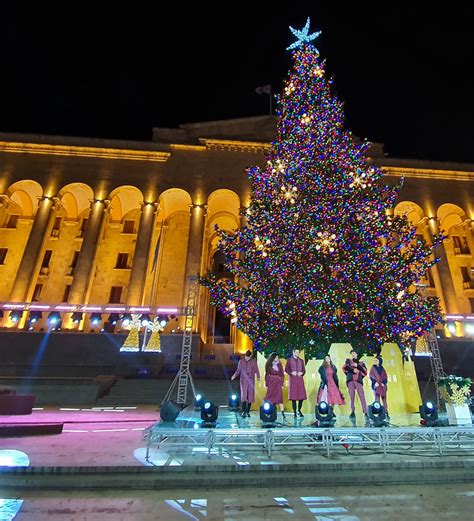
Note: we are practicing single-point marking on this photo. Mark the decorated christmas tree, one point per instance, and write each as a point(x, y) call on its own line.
point(322, 259)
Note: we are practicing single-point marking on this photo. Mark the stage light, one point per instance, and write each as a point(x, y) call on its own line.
point(126, 319)
point(469, 328)
point(377, 414)
point(76, 317)
point(96, 318)
point(114, 318)
point(162, 320)
point(145, 319)
point(54, 318)
point(324, 415)
point(234, 402)
point(429, 415)
point(209, 414)
point(268, 414)
point(198, 402)
point(16, 315)
point(35, 316)
point(452, 328)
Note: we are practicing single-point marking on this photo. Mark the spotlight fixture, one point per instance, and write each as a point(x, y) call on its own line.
point(429, 415)
point(268, 414)
point(114, 318)
point(209, 414)
point(35, 316)
point(54, 318)
point(145, 320)
point(163, 320)
point(377, 414)
point(198, 402)
point(234, 402)
point(324, 415)
point(16, 315)
point(126, 319)
point(96, 318)
point(76, 317)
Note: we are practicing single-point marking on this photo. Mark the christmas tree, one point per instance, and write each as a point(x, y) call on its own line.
point(321, 258)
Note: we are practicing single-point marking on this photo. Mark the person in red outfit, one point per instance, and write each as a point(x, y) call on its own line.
point(378, 377)
point(295, 368)
point(329, 389)
point(274, 379)
point(247, 370)
point(355, 372)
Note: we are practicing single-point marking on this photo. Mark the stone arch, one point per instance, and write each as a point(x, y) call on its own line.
point(174, 200)
point(222, 210)
point(124, 199)
point(75, 199)
point(25, 195)
point(413, 211)
point(450, 216)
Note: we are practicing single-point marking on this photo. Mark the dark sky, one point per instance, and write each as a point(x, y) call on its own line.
point(115, 72)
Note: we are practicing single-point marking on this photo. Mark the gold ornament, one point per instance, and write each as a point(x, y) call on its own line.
point(262, 245)
point(326, 242)
point(132, 342)
point(232, 311)
point(318, 72)
point(290, 88)
point(289, 193)
point(154, 344)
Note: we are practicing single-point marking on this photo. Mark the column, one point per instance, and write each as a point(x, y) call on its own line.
point(4, 204)
point(445, 278)
point(136, 285)
point(30, 263)
point(195, 241)
point(84, 271)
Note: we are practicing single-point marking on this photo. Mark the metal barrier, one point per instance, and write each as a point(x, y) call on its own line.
point(440, 438)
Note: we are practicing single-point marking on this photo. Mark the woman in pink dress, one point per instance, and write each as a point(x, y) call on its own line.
point(274, 379)
point(329, 389)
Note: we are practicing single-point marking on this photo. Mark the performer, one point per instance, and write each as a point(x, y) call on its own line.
point(296, 389)
point(378, 377)
point(329, 389)
point(247, 369)
point(355, 372)
point(274, 378)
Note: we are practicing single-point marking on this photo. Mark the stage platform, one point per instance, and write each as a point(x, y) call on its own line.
point(234, 432)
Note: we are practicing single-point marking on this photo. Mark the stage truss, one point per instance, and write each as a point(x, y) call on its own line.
point(270, 439)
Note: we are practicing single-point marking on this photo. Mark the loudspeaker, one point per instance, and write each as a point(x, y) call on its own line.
point(169, 412)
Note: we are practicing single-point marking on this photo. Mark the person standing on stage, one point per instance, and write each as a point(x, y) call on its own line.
point(378, 377)
point(296, 390)
point(247, 369)
point(355, 372)
point(274, 379)
point(329, 389)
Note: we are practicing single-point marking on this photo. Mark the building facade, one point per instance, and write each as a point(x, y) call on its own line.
point(97, 222)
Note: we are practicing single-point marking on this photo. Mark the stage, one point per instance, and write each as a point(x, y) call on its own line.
point(234, 432)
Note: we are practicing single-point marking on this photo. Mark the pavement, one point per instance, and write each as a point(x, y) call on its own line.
point(357, 502)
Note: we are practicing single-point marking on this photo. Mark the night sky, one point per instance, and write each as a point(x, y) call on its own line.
point(91, 71)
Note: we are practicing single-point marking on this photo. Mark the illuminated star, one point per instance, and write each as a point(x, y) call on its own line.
point(311, 342)
point(303, 36)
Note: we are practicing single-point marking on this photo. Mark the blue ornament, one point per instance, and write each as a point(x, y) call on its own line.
point(303, 36)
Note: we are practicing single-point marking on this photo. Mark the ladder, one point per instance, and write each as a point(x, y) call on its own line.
point(436, 363)
point(183, 376)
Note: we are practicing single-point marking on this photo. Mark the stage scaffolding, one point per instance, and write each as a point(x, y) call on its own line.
point(442, 439)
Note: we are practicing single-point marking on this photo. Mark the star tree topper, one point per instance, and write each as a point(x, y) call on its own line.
point(303, 36)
